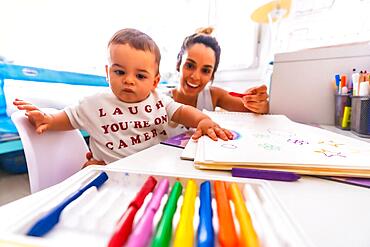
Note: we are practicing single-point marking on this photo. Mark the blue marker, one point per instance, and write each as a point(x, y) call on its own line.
point(337, 82)
point(47, 222)
point(205, 236)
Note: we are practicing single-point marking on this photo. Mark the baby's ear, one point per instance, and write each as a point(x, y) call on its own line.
point(156, 81)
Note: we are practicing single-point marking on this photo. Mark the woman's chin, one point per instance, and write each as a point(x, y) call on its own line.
point(191, 91)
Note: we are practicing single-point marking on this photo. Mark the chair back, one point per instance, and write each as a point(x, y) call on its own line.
point(51, 156)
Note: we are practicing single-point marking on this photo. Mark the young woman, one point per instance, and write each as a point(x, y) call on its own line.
point(197, 63)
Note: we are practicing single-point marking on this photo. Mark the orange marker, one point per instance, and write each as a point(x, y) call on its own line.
point(248, 236)
point(343, 81)
point(226, 233)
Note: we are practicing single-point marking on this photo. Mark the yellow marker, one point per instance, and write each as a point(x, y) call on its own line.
point(185, 230)
point(346, 116)
point(248, 236)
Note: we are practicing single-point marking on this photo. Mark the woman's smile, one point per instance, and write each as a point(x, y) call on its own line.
point(191, 85)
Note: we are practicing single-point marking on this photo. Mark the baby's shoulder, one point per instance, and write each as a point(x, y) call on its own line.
point(165, 97)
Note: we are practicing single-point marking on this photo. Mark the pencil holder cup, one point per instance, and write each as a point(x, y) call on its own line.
point(343, 111)
point(360, 119)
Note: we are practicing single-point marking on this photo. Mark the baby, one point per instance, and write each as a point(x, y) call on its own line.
point(130, 116)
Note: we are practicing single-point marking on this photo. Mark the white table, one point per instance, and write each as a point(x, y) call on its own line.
point(329, 213)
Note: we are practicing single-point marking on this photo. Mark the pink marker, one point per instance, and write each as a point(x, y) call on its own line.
point(144, 228)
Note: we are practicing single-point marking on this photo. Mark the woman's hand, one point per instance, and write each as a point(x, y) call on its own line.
point(213, 130)
point(256, 100)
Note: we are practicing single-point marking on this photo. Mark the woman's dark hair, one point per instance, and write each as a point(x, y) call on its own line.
point(202, 36)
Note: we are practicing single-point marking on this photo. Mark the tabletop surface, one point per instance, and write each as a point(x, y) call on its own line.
point(329, 213)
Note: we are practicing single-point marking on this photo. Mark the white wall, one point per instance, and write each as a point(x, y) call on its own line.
point(317, 23)
point(72, 34)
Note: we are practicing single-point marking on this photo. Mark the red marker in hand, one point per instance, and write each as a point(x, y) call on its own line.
point(252, 91)
point(240, 95)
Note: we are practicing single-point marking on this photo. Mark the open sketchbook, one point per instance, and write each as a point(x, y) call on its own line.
point(275, 142)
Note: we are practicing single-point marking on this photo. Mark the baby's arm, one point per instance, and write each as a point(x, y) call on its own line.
point(192, 117)
point(44, 121)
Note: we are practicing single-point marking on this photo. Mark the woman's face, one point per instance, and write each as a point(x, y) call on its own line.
point(196, 69)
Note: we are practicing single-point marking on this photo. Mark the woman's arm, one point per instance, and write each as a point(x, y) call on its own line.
point(223, 99)
point(255, 100)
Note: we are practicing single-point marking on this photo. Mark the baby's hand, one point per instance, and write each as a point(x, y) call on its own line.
point(91, 161)
point(38, 118)
point(256, 100)
point(24, 105)
point(213, 130)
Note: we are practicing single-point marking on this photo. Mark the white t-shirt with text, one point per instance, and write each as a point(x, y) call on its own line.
point(118, 129)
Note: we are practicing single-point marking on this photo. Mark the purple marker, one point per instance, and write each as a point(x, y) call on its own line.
point(264, 174)
point(143, 230)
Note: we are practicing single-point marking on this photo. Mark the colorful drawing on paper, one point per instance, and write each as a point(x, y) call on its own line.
point(180, 140)
point(276, 139)
point(236, 135)
point(297, 141)
point(229, 146)
point(331, 143)
point(330, 154)
point(280, 133)
point(261, 135)
point(269, 147)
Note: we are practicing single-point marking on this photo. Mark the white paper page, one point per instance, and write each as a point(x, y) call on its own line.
point(274, 139)
point(189, 151)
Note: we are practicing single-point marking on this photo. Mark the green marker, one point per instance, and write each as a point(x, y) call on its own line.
point(163, 232)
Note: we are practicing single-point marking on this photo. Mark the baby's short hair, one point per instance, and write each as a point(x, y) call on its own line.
point(138, 40)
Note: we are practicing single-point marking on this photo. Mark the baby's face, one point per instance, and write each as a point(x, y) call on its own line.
point(132, 73)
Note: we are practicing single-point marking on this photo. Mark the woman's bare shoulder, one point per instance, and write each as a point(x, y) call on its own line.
point(217, 92)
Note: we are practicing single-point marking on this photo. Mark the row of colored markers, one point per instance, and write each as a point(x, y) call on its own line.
point(184, 235)
point(141, 234)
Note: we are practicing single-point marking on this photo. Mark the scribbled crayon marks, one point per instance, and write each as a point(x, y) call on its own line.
point(330, 143)
point(269, 147)
point(297, 141)
point(330, 154)
point(280, 133)
point(229, 146)
point(261, 136)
